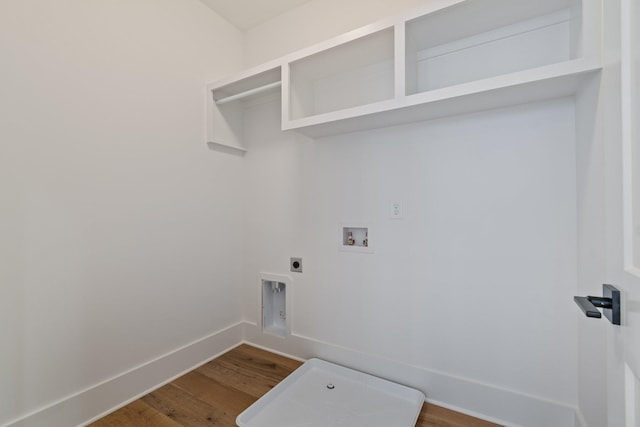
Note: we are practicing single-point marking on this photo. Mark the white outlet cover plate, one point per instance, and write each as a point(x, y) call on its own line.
point(395, 210)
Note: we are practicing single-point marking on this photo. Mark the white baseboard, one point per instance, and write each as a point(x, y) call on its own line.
point(580, 421)
point(502, 406)
point(506, 407)
point(100, 399)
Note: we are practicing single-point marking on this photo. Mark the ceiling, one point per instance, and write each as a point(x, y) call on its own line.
point(246, 14)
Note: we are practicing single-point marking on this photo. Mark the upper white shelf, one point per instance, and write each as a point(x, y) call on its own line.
point(451, 57)
point(554, 81)
point(348, 75)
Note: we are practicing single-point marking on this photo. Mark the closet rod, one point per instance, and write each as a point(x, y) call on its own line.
point(247, 93)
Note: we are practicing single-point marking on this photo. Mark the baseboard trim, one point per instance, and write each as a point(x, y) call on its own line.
point(506, 407)
point(580, 420)
point(100, 399)
point(492, 403)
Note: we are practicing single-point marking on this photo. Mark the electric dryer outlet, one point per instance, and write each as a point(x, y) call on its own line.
point(296, 265)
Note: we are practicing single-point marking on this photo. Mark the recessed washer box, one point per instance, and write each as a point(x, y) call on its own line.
point(322, 394)
point(355, 237)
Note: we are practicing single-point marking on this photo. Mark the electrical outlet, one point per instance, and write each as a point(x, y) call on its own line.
point(296, 265)
point(395, 210)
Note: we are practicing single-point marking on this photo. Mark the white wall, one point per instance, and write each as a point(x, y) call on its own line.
point(474, 285)
point(121, 233)
point(118, 225)
point(313, 22)
point(475, 282)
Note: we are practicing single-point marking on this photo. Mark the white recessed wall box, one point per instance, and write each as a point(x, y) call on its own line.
point(355, 237)
point(275, 308)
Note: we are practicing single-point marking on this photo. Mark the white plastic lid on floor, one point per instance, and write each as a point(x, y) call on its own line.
point(322, 394)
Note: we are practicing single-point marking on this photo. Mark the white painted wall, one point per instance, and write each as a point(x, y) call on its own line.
point(474, 285)
point(313, 22)
point(119, 227)
point(476, 281)
point(121, 232)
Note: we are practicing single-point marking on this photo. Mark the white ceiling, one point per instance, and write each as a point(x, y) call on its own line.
point(246, 14)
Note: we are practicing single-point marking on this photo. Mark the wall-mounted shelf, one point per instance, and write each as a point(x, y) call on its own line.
point(226, 101)
point(554, 81)
point(439, 61)
point(352, 74)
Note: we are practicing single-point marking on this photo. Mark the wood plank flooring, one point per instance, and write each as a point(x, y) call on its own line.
point(215, 393)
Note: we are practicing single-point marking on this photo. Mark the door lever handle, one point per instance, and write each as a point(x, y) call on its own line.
point(601, 302)
point(609, 302)
point(587, 307)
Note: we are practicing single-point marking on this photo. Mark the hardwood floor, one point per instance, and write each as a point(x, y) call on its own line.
point(215, 393)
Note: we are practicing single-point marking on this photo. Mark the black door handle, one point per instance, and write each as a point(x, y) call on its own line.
point(609, 302)
point(587, 308)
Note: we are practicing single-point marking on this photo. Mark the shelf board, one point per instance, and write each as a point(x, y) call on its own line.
point(292, 76)
point(548, 82)
point(266, 76)
point(228, 148)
